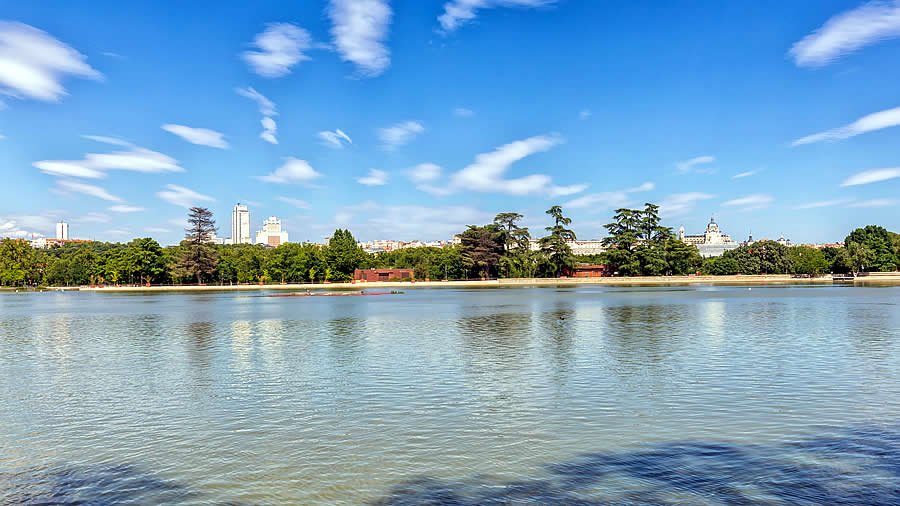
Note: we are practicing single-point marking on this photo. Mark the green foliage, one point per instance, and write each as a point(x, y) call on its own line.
point(18, 264)
point(880, 243)
point(639, 244)
point(197, 257)
point(343, 256)
point(482, 248)
point(806, 260)
point(555, 246)
point(721, 266)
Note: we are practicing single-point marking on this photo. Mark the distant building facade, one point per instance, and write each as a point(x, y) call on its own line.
point(62, 231)
point(711, 243)
point(240, 225)
point(271, 233)
point(591, 271)
point(578, 246)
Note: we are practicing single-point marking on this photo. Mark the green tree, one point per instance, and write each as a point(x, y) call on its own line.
point(343, 255)
point(720, 266)
point(808, 260)
point(555, 245)
point(482, 248)
point(17, 263)
point(145, 257)
point(682, 258)
point(880, 243)
point(198, 257)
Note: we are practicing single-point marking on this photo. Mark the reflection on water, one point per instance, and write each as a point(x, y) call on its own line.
point(786, 394)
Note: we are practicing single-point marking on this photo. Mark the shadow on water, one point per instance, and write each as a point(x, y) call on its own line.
point(91, 485)
point(860, 466)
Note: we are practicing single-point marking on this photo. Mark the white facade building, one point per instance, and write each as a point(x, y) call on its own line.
point(62, 231)
point(240, 225)
point(271, 233)
point(712, 243)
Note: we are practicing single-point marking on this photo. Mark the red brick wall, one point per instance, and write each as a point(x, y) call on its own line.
point(372, 275)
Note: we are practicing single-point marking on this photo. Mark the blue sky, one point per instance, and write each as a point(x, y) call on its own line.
point(410, 119)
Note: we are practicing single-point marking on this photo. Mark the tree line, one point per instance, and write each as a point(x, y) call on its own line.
point(636, 242)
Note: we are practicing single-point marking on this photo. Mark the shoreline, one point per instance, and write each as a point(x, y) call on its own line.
point(892, 278)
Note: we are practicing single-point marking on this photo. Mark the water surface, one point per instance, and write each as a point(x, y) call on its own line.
point(698, 394)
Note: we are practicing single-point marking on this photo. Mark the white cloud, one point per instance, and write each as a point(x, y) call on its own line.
point(608, 200)
point(374, 178)
point(117, 231)
point(94, 217)
point(400, 134)
point(281, 47)
point(462, 112)
point(126, 209)
point(744, 174)
point(407, 222)
point(848, 32)
point(267, 109)
point(751, 202)
point(94, 165)
point(335, 139)
point(108, 140)
point(823, 203)
point(33, 63)
point(27, 226)
point(424, 173)
point(269, 128)
point(157, 230)
point(201, 136)
point(678, 204)
point(486, 173)
point(562, 191)
point(875, 203)
point(66, 186)
point(359, 29)
point(685, 166)
point(2, 137)
point(293, 171)
point(299, 204)
point(872, 176)
point(266, 106)
point(458, 12)
point(869, 123)
point(585, 114)
point(183, 197)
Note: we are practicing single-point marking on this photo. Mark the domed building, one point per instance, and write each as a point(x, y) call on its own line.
point(712, 243)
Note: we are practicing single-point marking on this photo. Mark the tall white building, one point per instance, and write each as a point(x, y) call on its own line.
point(62, 231)
point(240, 225)
point(271, 233)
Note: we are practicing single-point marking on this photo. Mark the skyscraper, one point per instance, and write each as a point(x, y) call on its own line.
point(240, 225)
point(62, 231)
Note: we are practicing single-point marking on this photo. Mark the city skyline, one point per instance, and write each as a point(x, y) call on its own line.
point(423, 119)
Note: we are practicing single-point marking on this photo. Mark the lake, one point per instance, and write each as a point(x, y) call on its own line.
point(577, 395)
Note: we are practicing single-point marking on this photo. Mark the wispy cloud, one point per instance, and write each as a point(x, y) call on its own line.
point(686, 166)
point(67, 186)
point(33, 63)
point(875, 203)
point(678, 204)
point(375, 177)
point(848, 32)
point(406, 222)
point(459, 12)
point(183, 197)
point(157, 230)
point(602, 201)
point(359, 30)
point(126, 209)
point(267, 109)
point(585, 114)
point(400, 134)
point(299, 204)
point(337, 139)
point(872, 176)
point(266, 106)
point(27, 225)
point(293, 171)
point(462, 112)
point(94, 165)
point(424, 173)
point(872, 122)
point(563, 191)
point(93, 217)
point(823, 203)
point(201, 136)
point(744, 174)
point(486, 173)
point(751, 202)
point(280, 47)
